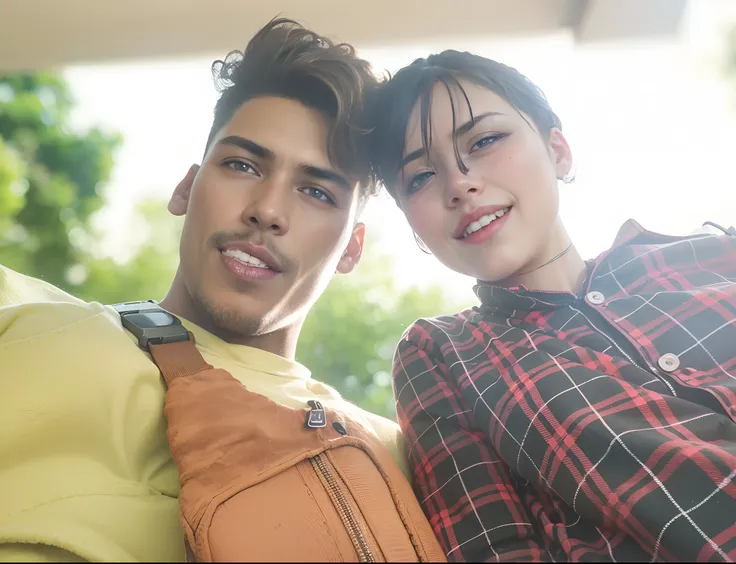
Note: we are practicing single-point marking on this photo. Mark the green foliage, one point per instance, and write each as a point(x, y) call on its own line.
point(350, 335)
point(148, 273)
point(50, 186)
point(50, 177)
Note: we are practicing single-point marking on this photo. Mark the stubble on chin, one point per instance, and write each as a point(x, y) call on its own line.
point(224, 321)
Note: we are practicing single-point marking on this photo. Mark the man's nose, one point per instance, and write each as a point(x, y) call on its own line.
point(268, 208)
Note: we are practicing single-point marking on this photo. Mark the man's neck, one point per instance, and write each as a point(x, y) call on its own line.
point(281, 342)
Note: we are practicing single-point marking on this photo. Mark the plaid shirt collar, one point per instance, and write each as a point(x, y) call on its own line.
point(517, 301)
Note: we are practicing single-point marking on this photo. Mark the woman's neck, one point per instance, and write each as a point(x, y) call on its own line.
point(563, 274)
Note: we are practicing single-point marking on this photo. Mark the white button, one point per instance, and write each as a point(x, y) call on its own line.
point(669, 362)
point(596, 298)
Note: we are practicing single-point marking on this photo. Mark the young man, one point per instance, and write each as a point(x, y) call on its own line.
point(270, 215)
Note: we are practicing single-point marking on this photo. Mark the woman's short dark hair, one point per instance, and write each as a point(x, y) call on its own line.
point(288, 61)
point(391, 104)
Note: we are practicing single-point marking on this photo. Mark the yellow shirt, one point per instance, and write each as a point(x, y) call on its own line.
point(85, 469)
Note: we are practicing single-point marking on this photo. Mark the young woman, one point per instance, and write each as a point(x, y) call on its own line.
point(585, 410)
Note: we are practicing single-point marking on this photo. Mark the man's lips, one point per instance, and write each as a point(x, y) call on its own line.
point(258, 251)
point(475, 215)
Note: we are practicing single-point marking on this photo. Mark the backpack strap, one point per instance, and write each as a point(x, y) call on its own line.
point(173, 350)
point(162, 334)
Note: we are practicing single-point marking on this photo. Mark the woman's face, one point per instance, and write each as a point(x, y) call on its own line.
point(499, 218)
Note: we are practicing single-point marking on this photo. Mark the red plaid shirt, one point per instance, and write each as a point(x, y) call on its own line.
point(549, 426)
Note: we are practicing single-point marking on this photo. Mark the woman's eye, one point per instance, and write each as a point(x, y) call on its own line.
point(240, 166)
point(419, 180)
point(318, 194)
point(485, 142)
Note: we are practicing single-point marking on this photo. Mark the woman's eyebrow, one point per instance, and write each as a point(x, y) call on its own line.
point(460, 130)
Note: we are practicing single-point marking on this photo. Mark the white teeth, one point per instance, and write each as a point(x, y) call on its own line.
point(245, 258)
point(485, 220)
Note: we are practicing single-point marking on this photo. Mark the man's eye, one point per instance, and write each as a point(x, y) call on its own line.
point(240, 166)
point(419, 180)
point(318, 194)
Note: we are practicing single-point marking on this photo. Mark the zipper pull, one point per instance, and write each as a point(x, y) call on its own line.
point(316, 418)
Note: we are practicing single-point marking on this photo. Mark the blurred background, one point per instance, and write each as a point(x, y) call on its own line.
point(105, 105)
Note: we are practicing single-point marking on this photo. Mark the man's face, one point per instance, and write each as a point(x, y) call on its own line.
point(268, 220)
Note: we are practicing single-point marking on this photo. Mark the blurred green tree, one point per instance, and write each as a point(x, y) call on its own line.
point(147, 274)
point(51, 181)
point(51, 184)
point(50, 177)
point(350, 335)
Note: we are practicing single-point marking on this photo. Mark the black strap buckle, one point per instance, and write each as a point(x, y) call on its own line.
point(151, 324)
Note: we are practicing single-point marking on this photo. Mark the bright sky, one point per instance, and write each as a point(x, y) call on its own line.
point(652, 127)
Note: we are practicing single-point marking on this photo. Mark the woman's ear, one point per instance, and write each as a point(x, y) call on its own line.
point(561, 153)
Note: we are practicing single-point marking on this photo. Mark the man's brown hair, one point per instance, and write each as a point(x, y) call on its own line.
point(288, 61)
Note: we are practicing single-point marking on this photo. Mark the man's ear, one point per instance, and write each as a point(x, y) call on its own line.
point(351, 257)
point(561, 153)
point(180, 197)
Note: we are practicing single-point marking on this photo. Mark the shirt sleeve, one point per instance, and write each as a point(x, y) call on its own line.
point(466, 490)
point(81, 461)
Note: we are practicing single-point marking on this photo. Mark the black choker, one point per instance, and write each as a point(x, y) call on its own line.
point(553, 259)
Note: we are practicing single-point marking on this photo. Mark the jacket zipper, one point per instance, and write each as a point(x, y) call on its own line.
point(339, 500)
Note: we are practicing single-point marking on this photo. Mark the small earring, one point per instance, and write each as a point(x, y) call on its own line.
point(421, 245)
point(569, 178)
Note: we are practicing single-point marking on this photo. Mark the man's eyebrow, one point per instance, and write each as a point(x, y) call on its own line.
point(461, 130)
point(248, 145)
point(315, 172)
point(319, 173)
